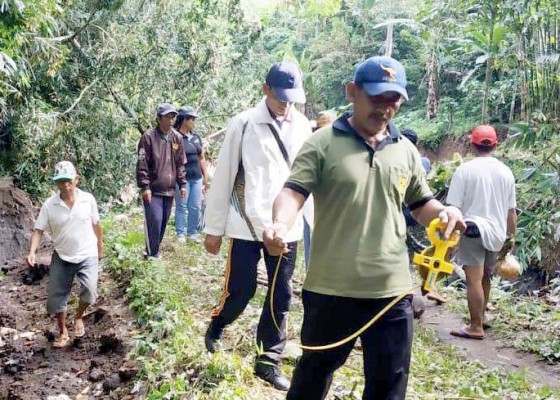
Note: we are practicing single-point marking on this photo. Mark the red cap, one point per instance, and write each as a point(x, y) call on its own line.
point(484, 135)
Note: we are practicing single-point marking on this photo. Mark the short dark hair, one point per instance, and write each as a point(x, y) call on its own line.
point(179, 121)
point(484, 148)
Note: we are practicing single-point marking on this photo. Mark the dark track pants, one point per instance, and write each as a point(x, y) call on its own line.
point(156, 214)
point(386, 346)
point(240, 286)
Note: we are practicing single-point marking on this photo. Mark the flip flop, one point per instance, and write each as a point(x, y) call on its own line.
point(61, 341)
point(79, 329)
point(461, 333)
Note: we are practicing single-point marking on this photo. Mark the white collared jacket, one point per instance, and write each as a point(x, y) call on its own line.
point(242, 209)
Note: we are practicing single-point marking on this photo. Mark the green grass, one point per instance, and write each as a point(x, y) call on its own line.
point(173, 299)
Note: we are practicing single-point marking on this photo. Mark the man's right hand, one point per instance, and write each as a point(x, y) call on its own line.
point(31, 261)
point(212, 244)
point(147, 196)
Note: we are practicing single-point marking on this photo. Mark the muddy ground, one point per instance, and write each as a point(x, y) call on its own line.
point(93, 367)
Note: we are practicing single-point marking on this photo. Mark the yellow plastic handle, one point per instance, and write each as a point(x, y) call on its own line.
point(436, 263)
point(435, 234)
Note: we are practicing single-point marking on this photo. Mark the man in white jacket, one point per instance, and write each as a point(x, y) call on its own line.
point(254, 162)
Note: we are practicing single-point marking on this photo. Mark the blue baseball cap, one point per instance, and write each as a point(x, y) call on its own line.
point(286, 81)
point(381, 74)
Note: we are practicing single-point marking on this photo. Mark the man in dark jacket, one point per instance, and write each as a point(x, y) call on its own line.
point(161, 165)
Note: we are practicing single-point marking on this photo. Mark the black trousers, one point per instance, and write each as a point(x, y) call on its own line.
point(157, 214)
point(240, 286)
point(386, 346)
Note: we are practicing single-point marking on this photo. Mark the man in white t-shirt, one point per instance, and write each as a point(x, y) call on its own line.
point(72, 219)
point(484, 190)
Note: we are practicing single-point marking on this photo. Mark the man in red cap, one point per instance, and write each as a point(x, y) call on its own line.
point(484, 190)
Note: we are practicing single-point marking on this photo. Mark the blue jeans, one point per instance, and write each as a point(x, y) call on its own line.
point(187, 210)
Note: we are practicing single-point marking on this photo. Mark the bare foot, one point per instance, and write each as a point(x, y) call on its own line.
point(79, 329)
point(62, 340)
point(435, 296)
point(467, 333)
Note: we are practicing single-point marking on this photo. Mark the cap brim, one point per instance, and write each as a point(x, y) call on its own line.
point(484, 141)
point(377, 88)
point(296, 95)
point(194, 115)
point(65, 177)
point(168, 112)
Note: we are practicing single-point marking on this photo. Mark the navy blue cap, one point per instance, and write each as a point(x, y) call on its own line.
point(286, 81)
point(166, 108)
point(381, 74)
point(188, 111)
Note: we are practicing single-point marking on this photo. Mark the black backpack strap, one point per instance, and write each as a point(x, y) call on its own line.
point(280, 145)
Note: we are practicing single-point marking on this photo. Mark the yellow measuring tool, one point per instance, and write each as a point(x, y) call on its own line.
point(432, 261)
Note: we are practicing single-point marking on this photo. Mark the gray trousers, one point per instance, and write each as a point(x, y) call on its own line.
point(61, 277)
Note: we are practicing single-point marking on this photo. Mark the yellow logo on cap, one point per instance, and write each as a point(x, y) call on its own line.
point(391, 74)
point(175, 146)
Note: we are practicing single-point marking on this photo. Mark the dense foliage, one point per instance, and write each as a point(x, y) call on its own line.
point(81, 79)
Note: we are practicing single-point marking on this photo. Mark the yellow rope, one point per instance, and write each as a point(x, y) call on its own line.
point(347, 339)
point(272, 293)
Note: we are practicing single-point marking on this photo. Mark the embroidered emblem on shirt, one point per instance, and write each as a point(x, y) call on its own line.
point(175, 146)
point(141, 154)
point(402, 183)
point(391, 74)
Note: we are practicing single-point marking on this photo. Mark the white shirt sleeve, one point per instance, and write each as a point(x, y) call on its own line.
point(219, 195)
point(94, 211)
point(456, 193)
point(42, 222)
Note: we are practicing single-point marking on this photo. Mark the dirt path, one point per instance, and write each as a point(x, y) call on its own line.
point(491, 351)
point(92, 368)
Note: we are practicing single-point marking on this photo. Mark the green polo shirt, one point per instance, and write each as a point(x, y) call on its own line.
point(358, 247)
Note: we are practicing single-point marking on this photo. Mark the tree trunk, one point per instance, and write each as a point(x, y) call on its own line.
point(389, 41)
point(489, 66)
point(432, 100)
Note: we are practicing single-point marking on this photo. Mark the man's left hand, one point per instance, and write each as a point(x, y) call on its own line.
point(183, 193)
point(453, 217)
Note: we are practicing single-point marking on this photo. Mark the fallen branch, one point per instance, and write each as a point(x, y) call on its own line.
point(79, 97)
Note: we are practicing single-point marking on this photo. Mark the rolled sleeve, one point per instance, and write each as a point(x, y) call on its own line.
point(305, 175)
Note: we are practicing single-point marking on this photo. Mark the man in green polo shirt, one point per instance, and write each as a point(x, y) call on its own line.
point(360, 172)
